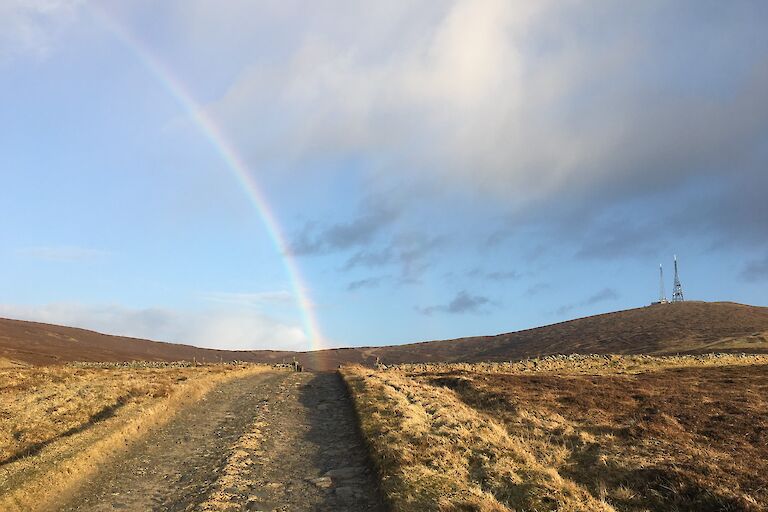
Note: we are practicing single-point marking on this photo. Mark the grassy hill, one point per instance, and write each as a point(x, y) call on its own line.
point(37, 343)
point(686, 328)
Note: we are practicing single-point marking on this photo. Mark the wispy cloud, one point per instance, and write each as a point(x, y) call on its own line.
point(494, 275)
point(408, 251)
point(370, 282)
point(604, 295)
point(463, 302)
point(29, 26)
point(375, 214)
point(756, 270)
point(537, 288)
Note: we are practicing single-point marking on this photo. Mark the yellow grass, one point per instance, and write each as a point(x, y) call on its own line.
point(6, 363)
point(434, 453)
point(463, 437)
point(59, 423)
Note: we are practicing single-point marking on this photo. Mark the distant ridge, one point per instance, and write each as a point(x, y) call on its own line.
point(41, 344)
point(688, 327)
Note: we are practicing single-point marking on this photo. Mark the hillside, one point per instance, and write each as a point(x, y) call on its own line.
point(690, 327)
point(38, 343)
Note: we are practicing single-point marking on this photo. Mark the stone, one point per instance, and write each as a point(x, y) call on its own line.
point(345, 473)
point(323, 482)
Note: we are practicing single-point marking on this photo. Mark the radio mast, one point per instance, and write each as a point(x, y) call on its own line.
point(677, 292)
point(662, 295)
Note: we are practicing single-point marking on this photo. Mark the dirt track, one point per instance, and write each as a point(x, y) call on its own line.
point(307, 455)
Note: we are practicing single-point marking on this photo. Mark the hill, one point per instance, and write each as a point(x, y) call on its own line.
point(41, 344)
point(686, 328)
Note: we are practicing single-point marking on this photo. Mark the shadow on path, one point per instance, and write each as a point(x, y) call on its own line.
point(341, 454)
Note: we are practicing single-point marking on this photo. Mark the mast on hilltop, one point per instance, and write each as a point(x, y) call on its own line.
point(677, 292)
point(662, 295)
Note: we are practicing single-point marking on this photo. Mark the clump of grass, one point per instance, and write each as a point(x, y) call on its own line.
point(435, 453)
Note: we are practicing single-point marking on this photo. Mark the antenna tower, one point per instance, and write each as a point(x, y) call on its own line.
point(662, 295)
point(677, 292)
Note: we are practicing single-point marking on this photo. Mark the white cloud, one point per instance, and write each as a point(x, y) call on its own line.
point(233, 328)
point(30, 26)
point(522, 99)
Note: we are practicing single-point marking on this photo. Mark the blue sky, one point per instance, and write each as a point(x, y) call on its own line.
point(439, 169)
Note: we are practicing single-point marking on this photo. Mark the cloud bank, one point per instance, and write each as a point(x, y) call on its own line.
point(514, 98)
point(606, 129)
point(230, 328)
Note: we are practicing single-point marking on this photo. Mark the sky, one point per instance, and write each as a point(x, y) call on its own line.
point(296, 175)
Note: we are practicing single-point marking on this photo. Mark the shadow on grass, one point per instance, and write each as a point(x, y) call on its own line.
point(34, 449)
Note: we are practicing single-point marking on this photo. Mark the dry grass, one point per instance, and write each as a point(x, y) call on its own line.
point(436, 453)
point(592, 364)
point(57, 424)
point(562, 433)
point(6, 363)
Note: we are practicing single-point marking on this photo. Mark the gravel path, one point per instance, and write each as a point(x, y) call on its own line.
point(270, 442)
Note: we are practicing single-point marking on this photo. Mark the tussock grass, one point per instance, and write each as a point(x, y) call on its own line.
point(638, 433)
point(435, 453)
point(59, 423)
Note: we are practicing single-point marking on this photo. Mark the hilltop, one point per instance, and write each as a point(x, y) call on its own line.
point(685, 328)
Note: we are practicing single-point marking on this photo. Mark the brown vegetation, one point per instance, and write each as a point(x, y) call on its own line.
point(684, 328)
point(689, 327)
point(436, 453)
point(570, 433)
point(58, 423)
point(44, 344)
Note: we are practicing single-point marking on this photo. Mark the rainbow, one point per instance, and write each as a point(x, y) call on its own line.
point(234, 163)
